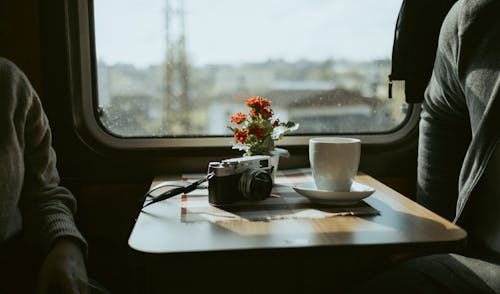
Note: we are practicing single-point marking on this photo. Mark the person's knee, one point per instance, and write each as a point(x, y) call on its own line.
point(428, 274)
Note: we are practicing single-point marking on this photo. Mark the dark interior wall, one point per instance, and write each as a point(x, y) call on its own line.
point(20, 37)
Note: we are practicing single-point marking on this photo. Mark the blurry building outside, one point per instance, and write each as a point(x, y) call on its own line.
point(179, 95)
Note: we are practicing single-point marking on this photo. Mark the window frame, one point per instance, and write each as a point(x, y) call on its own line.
point(83, 80)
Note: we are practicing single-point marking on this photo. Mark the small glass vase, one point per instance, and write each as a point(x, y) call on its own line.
point(275, 158)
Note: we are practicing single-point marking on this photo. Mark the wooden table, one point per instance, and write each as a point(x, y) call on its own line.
point(187, 232)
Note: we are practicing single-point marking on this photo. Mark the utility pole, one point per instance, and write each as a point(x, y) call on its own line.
point(175, 103)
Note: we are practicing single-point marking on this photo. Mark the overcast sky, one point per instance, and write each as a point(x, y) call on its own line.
point(233, 31)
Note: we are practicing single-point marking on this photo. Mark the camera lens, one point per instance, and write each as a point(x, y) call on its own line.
point(255, 184)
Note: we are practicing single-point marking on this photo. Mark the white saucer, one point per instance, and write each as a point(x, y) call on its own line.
point(358, 192)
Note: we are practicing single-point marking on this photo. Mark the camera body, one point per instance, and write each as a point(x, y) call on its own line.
point(236, 179)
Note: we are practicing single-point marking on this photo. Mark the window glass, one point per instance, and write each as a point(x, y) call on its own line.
point(180, 68)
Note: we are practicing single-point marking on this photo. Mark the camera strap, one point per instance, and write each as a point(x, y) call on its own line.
point(175, 191)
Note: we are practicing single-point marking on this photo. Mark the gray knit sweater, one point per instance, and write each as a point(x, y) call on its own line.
point(31, 199)
point(460, 121)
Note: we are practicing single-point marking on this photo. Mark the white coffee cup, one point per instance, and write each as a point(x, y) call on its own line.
point(334, 162)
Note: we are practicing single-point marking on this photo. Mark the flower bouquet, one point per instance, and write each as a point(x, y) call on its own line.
point(257, 131)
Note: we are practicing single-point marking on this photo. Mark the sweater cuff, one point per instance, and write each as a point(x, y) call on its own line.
point(62, 227)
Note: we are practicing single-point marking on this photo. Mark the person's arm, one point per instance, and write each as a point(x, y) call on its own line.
point(48, 208)
point(461, 113)
point(444, 128)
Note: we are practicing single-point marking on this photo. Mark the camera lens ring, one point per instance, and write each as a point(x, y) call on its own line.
point(255, 184)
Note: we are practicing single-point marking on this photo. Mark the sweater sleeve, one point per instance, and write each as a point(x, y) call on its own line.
point(461, 114)
point(444, 127)
point(48, 207)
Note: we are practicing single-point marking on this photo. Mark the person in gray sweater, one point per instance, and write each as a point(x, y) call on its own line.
point(459, 157)
point(34, 209)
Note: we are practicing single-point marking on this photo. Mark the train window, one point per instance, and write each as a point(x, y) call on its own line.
point(180, 68)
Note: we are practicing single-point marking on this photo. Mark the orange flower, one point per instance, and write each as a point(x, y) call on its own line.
point(238, 118)
point(266, 113)
point(256, 130)
point(258, 102)
point(240, 136)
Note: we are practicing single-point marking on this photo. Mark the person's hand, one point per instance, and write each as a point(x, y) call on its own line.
point(63, 270)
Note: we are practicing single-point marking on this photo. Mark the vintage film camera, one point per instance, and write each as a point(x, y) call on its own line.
point(243, 178)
